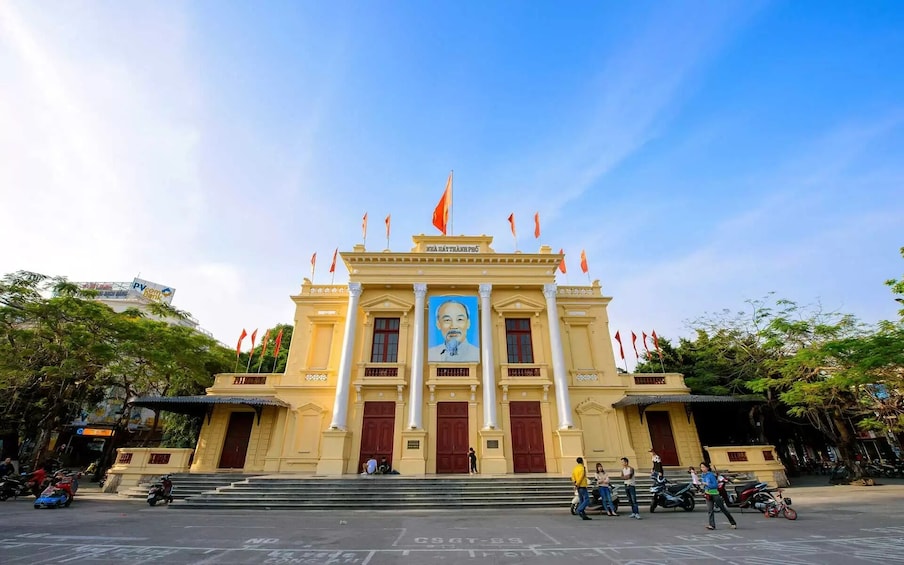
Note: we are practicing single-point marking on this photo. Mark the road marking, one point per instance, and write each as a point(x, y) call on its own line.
point(554, 540)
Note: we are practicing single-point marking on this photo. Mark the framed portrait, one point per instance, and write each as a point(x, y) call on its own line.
point(453, 329)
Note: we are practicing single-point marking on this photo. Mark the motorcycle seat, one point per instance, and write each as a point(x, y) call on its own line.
point(741, 488)
point(673, 489)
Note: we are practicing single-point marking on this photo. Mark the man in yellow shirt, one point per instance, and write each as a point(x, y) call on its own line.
point(579, 478)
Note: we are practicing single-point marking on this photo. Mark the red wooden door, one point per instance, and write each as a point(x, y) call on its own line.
point(452, 437)
point(377, 432)
point(235, 446)
point(528, 452)
point(661, 437)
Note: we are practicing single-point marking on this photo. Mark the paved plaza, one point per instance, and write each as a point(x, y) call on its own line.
point(842, 525)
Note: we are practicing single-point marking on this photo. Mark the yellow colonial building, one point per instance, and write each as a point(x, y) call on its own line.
point(425, 354)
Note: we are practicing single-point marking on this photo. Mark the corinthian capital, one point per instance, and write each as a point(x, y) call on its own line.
point(485, 290)
point(354, 289)
point(420, 289)
point(549, 291)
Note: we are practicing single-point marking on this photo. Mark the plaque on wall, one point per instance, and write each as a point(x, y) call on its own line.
point(492, 444)
point(414, 444)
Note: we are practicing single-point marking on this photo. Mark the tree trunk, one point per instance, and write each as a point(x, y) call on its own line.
point(846, 443)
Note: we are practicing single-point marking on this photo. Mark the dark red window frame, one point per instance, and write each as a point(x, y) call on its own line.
point(385, 346)
point(518, 340)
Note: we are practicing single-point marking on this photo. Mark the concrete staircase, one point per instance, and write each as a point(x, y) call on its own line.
point(394, 492)
point(188, 484)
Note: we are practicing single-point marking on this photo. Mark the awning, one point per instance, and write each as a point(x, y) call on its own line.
point(203, 404)
point(644, 401)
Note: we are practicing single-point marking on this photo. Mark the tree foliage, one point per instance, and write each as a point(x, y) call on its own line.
point(61, 351)
point(826, 368)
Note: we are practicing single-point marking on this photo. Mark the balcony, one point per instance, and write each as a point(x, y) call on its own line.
point(453, 374)
point(380, 374)
point(658, 382)
point(245, 383)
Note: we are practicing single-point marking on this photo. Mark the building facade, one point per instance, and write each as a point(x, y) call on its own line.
point(425, 354)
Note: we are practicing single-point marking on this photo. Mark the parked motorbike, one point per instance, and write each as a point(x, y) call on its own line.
point(12, 487)
point(60, 491)
point(596, 502)
point(162, 490)
point(667, 494)
point(750, 494)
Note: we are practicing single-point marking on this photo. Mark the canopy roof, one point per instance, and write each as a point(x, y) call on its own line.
point(204, 404)
point(650, 399)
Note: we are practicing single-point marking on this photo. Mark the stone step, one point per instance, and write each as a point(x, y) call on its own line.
point(392, 493)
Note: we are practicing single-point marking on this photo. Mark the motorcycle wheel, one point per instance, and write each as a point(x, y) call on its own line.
point(153, 502)
point(68, 501)
point(789, 513)
point(653, 505)
point(4, 496)
point(688, 503)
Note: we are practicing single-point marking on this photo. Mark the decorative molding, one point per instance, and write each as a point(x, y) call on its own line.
point(549, 291)
point(355, 289)
point(485, 290)
point(578, 291)
point(420, 289)
point(315, 377)
point(586, 377)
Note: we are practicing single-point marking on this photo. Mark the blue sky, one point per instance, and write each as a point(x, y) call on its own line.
point(703, 153)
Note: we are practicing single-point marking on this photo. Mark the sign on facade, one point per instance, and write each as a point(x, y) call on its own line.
point(153, 291)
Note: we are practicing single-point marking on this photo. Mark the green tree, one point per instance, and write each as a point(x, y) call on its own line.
point(51, 353)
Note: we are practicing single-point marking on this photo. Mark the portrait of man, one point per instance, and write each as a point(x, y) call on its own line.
point(455, 339)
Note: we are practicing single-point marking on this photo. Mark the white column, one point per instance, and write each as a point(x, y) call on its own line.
point(559, 376)
point(340, 405)
point(489, 365)
point(416, 384)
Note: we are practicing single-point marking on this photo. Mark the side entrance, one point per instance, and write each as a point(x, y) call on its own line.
point(451, 437)
point(661, 437)
point(235, 446)
point(528, 452)
point(377, 432)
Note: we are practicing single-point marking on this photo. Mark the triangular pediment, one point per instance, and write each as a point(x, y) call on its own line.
point(309, 407)
point(519, 303)
point(387, 303)
point(591, 407)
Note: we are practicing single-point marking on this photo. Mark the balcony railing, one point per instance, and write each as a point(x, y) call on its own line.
point(523, 372)
point(453, 372)
point(649, 380)
point(249, 380)
point(391, 372)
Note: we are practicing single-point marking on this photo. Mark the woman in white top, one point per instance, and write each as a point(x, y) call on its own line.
point(602, 481)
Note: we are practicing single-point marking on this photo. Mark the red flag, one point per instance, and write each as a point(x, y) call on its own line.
point(621, 349)
point(313, 259)
point(634, 343)
point(277, 344)
point(511, 220)
point(333, 266)
point(537, 225)
point(238, 346)
point(562, 262)
point(264, 344)
point(253, 337)
point(364, 226)
point(441, 212)
point(644, 334)
point(584, 262)
point(656, 344)
point(387, 225)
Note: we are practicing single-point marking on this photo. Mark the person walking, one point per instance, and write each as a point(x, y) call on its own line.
point(713, 498)
point(602, 481)
point(472, 461)
point(579, 478)
point(656, 473)
point(627, 474)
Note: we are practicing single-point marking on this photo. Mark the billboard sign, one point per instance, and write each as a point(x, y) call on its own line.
point(153, 291)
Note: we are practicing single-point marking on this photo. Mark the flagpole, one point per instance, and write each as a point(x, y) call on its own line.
point(250, 355)
point(312, 271)
point(388, 223)
point(451, 204)
point(261, 362)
